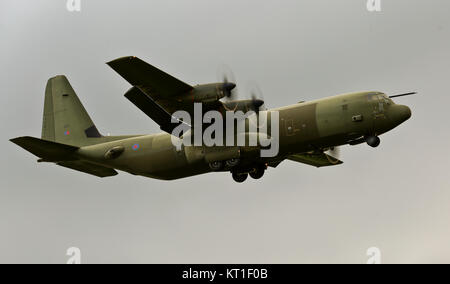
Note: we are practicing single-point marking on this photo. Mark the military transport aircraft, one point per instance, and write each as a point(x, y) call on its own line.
point(307, 130)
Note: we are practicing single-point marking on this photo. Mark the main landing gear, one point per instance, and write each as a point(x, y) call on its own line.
point(239, 177)
point(239, 173)
point(223, 165)
point(216, 166)
point(255, 173)
point(373, 141)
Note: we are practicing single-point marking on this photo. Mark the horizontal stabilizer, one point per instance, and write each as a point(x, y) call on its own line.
point(46, 150)
point(315, 159)
point(89, 168)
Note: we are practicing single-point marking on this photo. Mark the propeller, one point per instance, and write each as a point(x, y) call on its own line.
point(257, 99)
point(225, 74)
point(229, 89)
point(402, 95)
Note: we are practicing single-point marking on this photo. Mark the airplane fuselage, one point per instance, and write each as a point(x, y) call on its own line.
point(303, 127)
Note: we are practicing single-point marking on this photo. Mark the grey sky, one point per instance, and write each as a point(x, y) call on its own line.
point(395, 197)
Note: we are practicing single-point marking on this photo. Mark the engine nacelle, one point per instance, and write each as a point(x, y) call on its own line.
point(207, 93)
point(243, 105)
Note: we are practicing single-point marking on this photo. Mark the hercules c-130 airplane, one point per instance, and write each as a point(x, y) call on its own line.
point(307, 131)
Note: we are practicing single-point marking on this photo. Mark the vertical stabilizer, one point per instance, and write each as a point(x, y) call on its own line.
point(65, 119)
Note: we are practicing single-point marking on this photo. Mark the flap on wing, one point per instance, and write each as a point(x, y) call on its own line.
point(153, 110)
point(89, 168)
point(315, 159)
point(149, 78)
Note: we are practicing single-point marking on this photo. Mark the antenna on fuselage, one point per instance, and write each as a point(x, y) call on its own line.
point(402, 95)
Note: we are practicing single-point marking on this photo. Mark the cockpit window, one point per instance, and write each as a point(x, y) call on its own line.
point(379, 97)
point(386, 99)
point(372, 97)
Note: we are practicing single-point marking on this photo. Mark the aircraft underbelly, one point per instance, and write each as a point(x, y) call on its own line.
point(164, 161)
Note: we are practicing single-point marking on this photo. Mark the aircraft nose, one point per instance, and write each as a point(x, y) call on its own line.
point(405, 112)
point(401, 113)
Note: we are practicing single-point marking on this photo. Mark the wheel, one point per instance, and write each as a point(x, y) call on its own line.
point(240, 178)
point(257, 173)
point(232, 163)
point(373, 141)
point(216, 166)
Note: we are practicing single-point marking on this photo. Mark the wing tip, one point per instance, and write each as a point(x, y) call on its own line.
point(120, 60)
point(20, 139)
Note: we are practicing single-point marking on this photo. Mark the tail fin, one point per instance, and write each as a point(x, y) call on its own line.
point(65, 119)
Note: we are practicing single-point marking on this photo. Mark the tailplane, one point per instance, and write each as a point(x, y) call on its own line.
point(61, 154)
point(47, 151)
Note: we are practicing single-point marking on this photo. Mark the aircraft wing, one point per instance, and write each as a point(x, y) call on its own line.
point(154, 92)
point(153, 110)
point(151, 80)
point(315, 159)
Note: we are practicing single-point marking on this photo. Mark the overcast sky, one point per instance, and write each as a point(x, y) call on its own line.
point(395, 197)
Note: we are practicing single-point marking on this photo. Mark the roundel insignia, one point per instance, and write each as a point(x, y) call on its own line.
point(135, 147)
point(67, 132)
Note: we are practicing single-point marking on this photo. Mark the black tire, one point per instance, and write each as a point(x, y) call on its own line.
point(216, 166)
point(257, 173)
point(240, 178)
point(373, 141)
point(232, 163)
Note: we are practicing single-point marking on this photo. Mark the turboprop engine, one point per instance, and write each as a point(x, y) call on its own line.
point(207, 93)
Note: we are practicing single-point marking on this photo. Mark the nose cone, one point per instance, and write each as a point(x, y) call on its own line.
point(405, 112)
point(400, 113)
point(229, 86)
point(257, 103)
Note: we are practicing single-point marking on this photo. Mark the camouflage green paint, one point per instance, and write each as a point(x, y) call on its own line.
point(304, 127)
